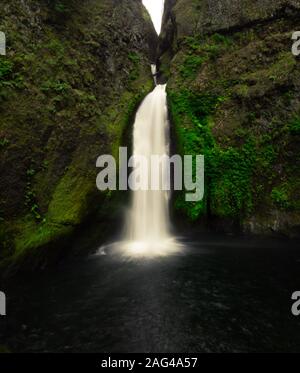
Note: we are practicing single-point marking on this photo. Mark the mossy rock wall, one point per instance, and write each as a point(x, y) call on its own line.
point(233, 87)
point(73, 76)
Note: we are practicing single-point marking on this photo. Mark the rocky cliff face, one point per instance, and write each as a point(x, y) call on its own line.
point(207, 16)
point(73, 75)
point(233, 87)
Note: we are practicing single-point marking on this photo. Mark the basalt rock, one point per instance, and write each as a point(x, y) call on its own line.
point(72, 78)
point(233, 87)
point(189, 17)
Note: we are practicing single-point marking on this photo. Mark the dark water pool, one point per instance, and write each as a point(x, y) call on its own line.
point(219, 295)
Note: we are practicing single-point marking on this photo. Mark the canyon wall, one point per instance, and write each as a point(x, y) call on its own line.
point(233, 86)
point(73, 76)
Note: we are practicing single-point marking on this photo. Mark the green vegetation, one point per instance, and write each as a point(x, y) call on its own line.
point(9, 78)
point(4, 142)
point(134, 57)
point(36, 236)
point(77, 85)
point(221, 110)
point(135, 60)
point(6, 69)
point(191, 66)
point(60, 7)
point(228, 171)
point(30, 196)
point(280, 197)
point(55, 86)
point(294, 126)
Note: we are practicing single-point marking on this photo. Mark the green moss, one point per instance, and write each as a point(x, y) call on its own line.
point(234, 101)
point(280, 197)
point(134, 57)
point(195, 52)
point(198, 43)
point(72, 198)
point(34, 236)
point(4, 142)
point(118, 118)
point(282, 67)
point(191, 66)
point(264, 78)
point(241, 90)
point(230, 170)
point(69, 204)
point(6, 69)
point(30, 196)
point(230, 174)
point(60, 7)
point(74, 109)
point(294, 126)
point(191, 115)
point(55, 86)
point(222, 39)
point(10, 78)
point(209, 46)
point(135, 69)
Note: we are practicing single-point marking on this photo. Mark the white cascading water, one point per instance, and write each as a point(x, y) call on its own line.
point(149, 216)
point(147, 221)
point(148, 226)
point(154, 71)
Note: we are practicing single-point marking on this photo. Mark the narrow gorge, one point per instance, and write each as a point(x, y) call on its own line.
point(134, 270)
point(232, 94)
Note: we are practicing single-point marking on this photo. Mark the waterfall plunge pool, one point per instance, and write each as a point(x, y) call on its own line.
point(221, 294)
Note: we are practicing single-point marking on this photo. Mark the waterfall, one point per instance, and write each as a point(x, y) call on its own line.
point(149, 214)
point(148, 222)
point(147, 230)
point(155, 9)
point(154, 73)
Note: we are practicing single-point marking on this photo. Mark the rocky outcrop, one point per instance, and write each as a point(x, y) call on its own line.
point(73, 75)
point(233, 87)
point(184, 18)
point(207, 16)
